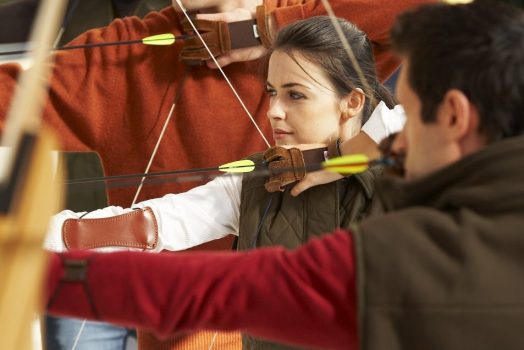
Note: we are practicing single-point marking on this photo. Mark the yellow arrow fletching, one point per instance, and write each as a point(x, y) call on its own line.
point(160, 39)
point(350, 164)
point(239, 166)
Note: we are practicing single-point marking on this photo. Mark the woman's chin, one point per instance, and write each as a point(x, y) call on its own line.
point(284, 141)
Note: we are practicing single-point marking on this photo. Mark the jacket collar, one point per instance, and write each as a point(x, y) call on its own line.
point(490, 178)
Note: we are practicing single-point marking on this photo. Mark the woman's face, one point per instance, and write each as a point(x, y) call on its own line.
point(303, 108)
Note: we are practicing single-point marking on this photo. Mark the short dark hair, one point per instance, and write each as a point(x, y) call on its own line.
point(477, 48)
point(316, 40)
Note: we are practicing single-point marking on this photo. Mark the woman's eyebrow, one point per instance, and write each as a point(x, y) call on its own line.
point(288, 85)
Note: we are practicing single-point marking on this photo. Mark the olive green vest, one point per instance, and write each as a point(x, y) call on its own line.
point(445, 270)
point(269, 219)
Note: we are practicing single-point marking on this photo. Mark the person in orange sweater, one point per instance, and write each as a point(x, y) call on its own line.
point(115, 100)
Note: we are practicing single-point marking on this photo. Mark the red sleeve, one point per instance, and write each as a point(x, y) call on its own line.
point(306, 296)
point(374, 17)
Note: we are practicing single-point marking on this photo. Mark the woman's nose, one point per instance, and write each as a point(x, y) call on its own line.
point(276, 110)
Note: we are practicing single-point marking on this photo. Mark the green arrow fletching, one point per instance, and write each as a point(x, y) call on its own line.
point(160, 39)
point(350, 164)
point(239, 166)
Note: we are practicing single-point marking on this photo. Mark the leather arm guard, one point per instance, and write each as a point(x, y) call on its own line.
point(137, 229)
point(288, 165)
point(222, 37)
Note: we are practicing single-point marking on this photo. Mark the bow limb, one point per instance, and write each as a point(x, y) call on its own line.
point(29, 194)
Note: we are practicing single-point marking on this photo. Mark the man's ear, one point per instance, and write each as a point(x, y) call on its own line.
point(352, 104)
point(457, 115)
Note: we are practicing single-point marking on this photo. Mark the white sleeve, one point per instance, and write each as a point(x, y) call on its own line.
point(200, 215)
point(384, 122)
point(184, 220)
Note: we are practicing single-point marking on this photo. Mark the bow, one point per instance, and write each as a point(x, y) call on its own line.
point(29, 196)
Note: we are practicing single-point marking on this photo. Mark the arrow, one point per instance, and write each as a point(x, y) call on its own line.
point(154, 40)
point(345, 165)
point(354, 164)
point(236, 167)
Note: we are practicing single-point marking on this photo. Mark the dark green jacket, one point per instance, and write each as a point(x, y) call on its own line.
point(445, 270)
point(269, 219)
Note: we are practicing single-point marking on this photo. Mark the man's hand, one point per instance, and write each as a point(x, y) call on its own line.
point(238, 55)
point(228, 11)
point(218, 5)
point(315, 178)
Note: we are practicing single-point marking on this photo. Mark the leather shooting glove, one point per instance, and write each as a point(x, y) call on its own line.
point(220, 37)
point(288, 165)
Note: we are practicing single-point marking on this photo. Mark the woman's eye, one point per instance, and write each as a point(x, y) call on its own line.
point(296, 95)
point(271, 92)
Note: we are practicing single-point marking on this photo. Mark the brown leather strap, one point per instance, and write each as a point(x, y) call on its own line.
point(137, 229)
point(220, 37)
point(314, 157)
point(244, 34)
point(263, 26)
point(288, 165)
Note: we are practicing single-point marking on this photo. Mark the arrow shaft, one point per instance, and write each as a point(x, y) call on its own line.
point(87, 46)
point(260, 170)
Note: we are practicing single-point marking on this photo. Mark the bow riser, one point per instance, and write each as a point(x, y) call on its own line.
point(34, 196)
point(22, 260)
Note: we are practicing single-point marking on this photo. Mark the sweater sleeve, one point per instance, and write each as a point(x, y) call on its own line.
point(306, 296)
point(375, 18)
point(89, 90)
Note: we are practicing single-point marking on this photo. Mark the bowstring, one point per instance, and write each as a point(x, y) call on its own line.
point(223, 73)
point(351, 54)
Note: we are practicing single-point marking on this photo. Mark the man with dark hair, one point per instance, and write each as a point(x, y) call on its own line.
point(442, 269)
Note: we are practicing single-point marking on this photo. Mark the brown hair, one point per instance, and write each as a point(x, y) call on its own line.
point(316, 40)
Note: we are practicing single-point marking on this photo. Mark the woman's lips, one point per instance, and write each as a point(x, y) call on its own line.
point(280, 134)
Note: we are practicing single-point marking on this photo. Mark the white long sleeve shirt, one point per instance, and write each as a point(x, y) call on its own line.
point(207, 212)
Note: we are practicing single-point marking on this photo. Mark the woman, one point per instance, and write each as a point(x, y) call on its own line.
point(316, 97)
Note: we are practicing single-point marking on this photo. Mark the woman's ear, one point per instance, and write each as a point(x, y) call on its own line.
point(352, 104)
